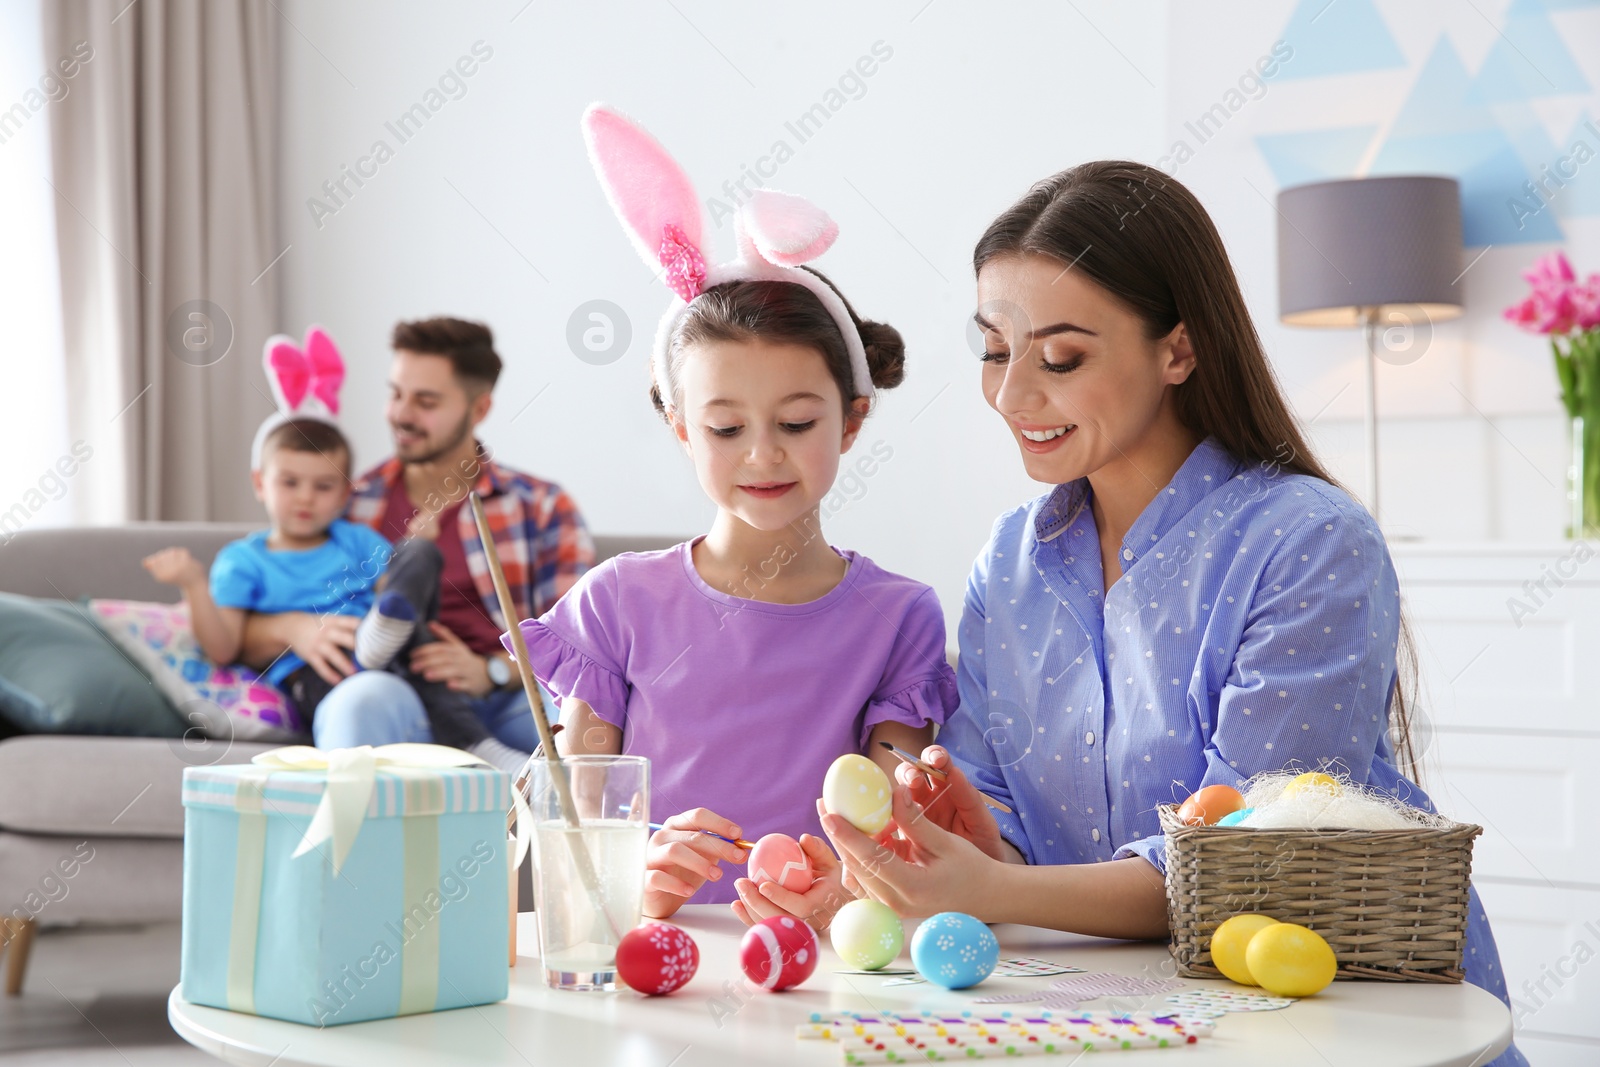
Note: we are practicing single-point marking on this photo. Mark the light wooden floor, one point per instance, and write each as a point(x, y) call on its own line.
point(97, 998)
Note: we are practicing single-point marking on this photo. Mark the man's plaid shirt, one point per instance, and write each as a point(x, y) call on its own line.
point(543, 544)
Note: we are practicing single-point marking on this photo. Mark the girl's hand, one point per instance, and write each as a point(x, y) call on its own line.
point(929, 870)
point(175, 566)
point(680, 859)
point(816, 906)
point(954, 804)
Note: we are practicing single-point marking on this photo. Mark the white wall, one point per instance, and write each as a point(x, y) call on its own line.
point(491, 211)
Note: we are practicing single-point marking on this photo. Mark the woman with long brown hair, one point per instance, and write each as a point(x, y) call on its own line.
point(1194, 601)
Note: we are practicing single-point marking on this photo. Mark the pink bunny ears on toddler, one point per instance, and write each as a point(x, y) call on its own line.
point(305, 382)
point(656, 203)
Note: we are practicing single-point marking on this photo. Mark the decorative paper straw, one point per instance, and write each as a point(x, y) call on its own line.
point(921, 1037)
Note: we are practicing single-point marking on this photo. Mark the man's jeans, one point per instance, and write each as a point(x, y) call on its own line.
point(380, 707)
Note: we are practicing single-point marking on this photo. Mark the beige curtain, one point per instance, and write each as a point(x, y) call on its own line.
point(164, 166)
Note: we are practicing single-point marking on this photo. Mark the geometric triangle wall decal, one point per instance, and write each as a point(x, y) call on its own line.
point(1438, 102)
point(1338, 38)
point(1314, 155)
point(1527, 131)
point(1496, 209)
point(1580, 158)
point(1528, 60)
point(1518, 6)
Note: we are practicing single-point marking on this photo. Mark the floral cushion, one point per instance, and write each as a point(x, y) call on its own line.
point(223, 702)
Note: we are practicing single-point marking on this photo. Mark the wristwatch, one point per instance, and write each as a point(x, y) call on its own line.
point(499, 671)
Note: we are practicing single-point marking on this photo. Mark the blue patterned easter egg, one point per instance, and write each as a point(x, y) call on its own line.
point(954, 950)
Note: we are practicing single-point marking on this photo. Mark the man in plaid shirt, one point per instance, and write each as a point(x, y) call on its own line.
point(441, 383)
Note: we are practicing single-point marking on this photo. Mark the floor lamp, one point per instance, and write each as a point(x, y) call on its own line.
point(1374, 253)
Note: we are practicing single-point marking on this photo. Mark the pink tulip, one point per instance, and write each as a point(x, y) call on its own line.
point(1522, 314)
point(1557, 303)
point(1561, 313)
point(1551, 271)
point(1586, 303)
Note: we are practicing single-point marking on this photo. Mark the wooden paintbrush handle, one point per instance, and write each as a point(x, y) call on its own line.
point(558, 771)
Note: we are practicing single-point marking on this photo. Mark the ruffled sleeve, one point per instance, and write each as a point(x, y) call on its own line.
point(918, 704)
point(574, 647)
point(918, 686)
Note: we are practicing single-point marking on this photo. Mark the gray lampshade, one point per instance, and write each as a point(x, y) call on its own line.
point(1345, 246)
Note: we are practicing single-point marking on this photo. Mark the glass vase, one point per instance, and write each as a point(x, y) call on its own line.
point(1583, 480)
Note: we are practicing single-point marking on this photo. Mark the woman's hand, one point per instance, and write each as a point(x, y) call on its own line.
point(680, 859)
point(816, 906)
point(927, 870)
point(954, 804)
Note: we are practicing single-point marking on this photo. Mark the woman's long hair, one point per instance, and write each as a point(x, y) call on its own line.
point(1144, 238)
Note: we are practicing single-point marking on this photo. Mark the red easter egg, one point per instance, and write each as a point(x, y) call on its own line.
point(779, 858)
point(778, 953)
point(656, 958)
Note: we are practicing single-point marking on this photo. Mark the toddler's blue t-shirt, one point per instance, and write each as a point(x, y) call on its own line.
point(335, 578)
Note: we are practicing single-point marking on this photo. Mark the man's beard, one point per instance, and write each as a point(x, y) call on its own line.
point(455, 439)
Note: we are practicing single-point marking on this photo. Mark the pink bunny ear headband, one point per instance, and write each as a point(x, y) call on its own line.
point(657, 206)
point(305, 382)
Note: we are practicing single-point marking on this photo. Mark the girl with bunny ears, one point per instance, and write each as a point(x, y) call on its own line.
point(312, 560)
point(744, 662)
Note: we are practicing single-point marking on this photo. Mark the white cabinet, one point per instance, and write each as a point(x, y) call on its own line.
point(1508, 643)
point(1549, 941)
point(1534, 796)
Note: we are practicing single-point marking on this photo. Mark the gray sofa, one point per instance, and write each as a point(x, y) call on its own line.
point(108, 808)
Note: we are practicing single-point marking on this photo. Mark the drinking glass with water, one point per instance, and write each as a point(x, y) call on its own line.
point(588, 878)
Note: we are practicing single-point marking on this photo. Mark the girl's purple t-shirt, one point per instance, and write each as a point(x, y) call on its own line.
point(741, 705)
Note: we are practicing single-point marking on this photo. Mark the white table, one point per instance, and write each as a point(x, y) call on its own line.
point(1365, 1024)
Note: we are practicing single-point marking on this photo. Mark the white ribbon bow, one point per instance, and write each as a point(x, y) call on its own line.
point(351, 774)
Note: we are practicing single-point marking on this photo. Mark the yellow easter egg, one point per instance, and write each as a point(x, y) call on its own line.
point(1289, 960)
point(1312, 780)
point(857, 789)
point(1229, 941)
point(867, 934)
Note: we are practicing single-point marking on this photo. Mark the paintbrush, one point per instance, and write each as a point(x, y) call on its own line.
point(741, 842)
point(931, 770)
point(558, 770)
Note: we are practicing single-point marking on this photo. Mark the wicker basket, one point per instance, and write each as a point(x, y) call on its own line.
point(1391, 903)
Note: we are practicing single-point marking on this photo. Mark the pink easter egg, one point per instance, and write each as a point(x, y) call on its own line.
point(778, 953)
point(656, 958)
point(779, 858)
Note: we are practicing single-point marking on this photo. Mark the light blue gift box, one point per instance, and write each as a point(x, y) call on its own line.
point(416, 919)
